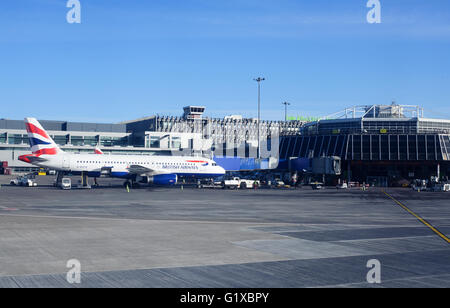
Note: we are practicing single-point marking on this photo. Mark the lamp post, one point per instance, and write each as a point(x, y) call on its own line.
point(285, 110)
point(258, 80)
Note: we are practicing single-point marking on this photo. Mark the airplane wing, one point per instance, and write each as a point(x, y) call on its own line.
point(141, 170)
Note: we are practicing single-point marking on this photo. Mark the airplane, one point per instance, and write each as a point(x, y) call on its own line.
point(160, 170)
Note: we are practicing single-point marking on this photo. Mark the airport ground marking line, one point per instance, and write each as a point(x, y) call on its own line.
point(445, 238)
point(245, 223)
point(414, 278)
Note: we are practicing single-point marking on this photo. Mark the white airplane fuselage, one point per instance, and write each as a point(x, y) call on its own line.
point(119, 165)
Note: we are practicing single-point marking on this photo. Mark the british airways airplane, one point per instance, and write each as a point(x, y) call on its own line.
point(160, 170)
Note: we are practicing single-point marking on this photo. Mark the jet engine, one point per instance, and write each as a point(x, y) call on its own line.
point(163, 179)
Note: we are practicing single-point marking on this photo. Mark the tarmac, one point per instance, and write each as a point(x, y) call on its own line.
point(205, 238)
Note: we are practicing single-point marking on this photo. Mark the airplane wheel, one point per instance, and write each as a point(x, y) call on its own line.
point(243, 186)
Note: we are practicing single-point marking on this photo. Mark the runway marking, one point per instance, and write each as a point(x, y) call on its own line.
point(426, 223)
point(244, 223)
point(406, 279)
point(4, 208)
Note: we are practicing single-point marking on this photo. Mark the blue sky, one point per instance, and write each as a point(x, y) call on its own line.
point(134, 58)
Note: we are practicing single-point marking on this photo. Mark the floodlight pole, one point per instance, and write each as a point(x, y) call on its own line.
point(258, 80)
point(285, 110)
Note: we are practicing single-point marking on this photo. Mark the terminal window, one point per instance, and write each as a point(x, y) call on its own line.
point(17, 139)
point(61, 140)
point(154, 142)
point(176, 142)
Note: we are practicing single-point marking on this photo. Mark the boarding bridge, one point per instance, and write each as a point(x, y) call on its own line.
point(323, 165)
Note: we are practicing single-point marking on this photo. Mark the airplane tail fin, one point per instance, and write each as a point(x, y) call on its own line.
point(40, 142)
point(98, 151)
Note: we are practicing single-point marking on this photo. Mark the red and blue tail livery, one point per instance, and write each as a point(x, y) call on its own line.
point(40, 142)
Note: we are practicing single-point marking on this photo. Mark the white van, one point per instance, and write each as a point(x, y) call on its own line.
point(66, 183)
point(23, 181)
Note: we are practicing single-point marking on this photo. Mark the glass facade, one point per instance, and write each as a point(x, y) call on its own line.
point(391, 126)
point(77, 140)
point(430, 127)
point(358, 147)
point(61, 140)
point(377, 126)
point(176, 142)
point(17, 139)
point(113, 141)
point(155, 142)
point(386, 133)
point(312, 146)
point(90, 140)
point(445, 145)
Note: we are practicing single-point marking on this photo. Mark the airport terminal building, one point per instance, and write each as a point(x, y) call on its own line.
point(377, 144)
point(189, 134)
point(217, 137)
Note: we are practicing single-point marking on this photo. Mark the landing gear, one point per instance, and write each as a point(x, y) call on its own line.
point(84, 181)
point(131, 184)
point(59, 178)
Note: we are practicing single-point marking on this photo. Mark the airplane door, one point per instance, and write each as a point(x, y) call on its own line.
point(66, 162)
